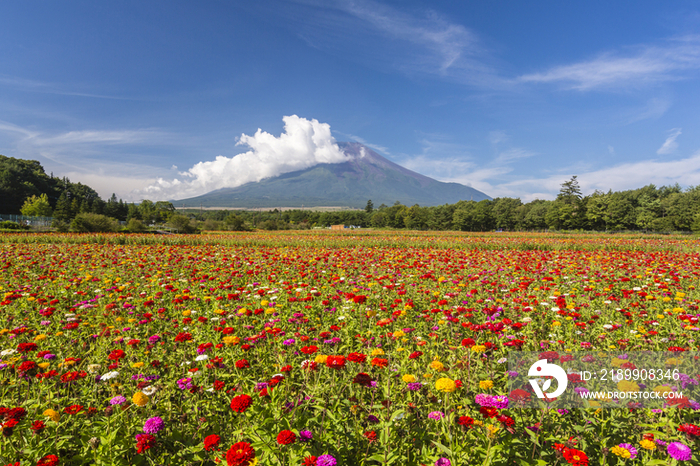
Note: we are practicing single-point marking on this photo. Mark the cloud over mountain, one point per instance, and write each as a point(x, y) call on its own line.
point(303, 144)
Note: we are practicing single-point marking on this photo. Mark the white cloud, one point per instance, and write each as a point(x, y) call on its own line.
point(670, 144)
point(303, 144)
point(653, 109)
point(611, 150)
point(647, 64)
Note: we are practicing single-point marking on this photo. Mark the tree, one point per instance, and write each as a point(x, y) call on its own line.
point(570, 191)
point(235, 223)
point(63, 208)
point(369, 208)
point(181, 223)
point(37, 206)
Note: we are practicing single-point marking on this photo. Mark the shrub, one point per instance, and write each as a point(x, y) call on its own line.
point(10, 225)
point(182, 224)
point(86, 222)
point(136, 226)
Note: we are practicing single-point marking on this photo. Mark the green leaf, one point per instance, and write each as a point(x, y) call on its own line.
point(442, 447)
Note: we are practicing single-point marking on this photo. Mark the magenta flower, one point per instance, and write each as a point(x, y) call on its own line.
point(679, 451)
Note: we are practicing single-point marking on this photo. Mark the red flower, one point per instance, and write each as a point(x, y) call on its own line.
point(27, 366)
point(286, 368)
point(240, 454)
point(241, 403)
point(309, 349)
point(370, 435)
point(183, 336)
point(506, 420)
point(335, 362)
point(242, 364)
point(38, 426)
point(73, 409)
point(309, 461)
point(380, 362)
point(362, 379)
point(8, 426)
point(26, 347)
point(690, 429)
point(211, 442)
point(488, 412)
point(575, 457)
point(466, 421)
point(415, 354)
point(48, 460)
point(357, 357)
point(219, 385)
point(359, 299)
point(468, 342)
point(116, 355)
point(144, 442)
point(286, 437)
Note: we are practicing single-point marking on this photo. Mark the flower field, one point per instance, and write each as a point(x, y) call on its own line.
point(320, 348)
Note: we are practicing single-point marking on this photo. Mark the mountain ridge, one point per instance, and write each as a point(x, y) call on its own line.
point(367, 175)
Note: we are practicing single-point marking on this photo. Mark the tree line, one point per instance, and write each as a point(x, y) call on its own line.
point(25, 188)
point(663, 209)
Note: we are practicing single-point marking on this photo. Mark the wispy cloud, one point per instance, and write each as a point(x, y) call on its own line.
point(30, 85)
point(378, 148)
point(619, 177)
point(419, 42)
point(643, 65)
point(670, 144)
point(653, 109)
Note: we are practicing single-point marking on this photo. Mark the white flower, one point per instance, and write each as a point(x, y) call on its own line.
point(202, 357)
point(502, 360)
point(607, 326)
point(110, 375)
point(8, 352)
point(93, 368)
point(150, 390)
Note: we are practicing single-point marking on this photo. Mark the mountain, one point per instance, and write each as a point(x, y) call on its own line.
point(366, 176)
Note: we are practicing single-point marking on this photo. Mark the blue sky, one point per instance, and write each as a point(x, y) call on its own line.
point(155, 99)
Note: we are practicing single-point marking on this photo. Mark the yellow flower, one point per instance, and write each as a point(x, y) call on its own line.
point(399, 334)
point(137, 365)
point(231, 340)
point(663, 389)
point(674, 361)
point(486, 384)
point(321, 359)
point(428, 375)
point(621, 452)
point(55, 417)
point(627, 386)
point(140, 399)
point(43, 365)
point(617, 362)
point(377, 352)
point(40, 337)
point(187, 313)
point(648, 444)
point(409, 378)
point(478, 348)
point(492, 430)
point(445, 385)
point(437, 365)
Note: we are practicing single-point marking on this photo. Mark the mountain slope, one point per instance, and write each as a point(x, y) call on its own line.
point(367, 175)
